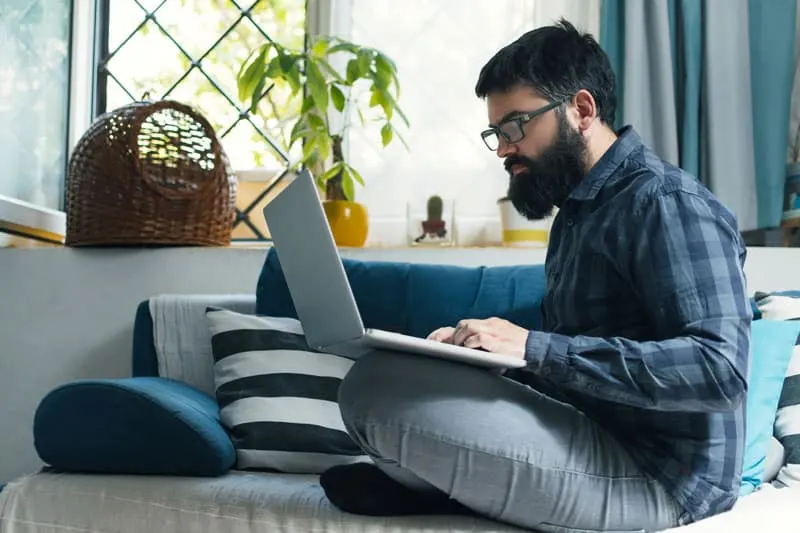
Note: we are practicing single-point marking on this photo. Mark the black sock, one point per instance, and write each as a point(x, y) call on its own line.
point(362, 488)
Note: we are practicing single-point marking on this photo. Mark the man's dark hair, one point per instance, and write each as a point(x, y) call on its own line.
point(556, 61)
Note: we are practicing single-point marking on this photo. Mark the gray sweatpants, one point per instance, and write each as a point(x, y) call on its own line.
point(497, 446)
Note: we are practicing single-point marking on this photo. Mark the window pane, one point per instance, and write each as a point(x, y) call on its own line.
point(34, 99)
point(157, 59)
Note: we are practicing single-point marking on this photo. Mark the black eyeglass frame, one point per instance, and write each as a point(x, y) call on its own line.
point(520, 120)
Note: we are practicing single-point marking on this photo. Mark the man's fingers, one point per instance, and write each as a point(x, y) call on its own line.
point(481, 340)
point(474, 340)
point(442, 334)
point(468, 327)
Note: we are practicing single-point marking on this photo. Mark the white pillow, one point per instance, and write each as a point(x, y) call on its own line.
point(278, 397)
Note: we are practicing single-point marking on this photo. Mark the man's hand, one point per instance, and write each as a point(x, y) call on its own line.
point(492, 334)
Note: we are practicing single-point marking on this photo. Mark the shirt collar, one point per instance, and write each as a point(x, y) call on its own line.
point(627, 141)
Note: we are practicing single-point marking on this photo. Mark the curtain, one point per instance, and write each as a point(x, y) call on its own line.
point(707, 83)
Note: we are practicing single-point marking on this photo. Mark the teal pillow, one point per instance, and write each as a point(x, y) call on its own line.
point(771, 346)
point(142, 426)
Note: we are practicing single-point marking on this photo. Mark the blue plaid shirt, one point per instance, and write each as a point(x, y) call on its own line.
point(647, 322)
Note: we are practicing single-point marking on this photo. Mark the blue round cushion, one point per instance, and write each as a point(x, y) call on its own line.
point(138, 425)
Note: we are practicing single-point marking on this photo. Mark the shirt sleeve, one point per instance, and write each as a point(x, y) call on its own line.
point(685, 264)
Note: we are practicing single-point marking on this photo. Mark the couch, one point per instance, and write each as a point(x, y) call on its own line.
point(151, 452)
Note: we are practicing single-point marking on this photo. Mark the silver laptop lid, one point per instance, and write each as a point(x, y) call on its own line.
point(311, 264)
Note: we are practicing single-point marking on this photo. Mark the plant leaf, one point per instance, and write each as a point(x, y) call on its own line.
point(287, 61)
point(308, 105)
point(324, 147)
point(383, 58)
point(364, 61)
point(258, 92)
point(382, 79)
point(331, 172)
point(274, 69)
point(343, 46)
point(402, 140)
point(353, 71)
point(299, 130)
point(376, 99)
point(388, 74)
point(320, 47)
point(293, 77)
point(317, 85)
point(337, 96)
point(348, 187)
point(386, 134)
point(248, 80)
point(393, 104)
point(317, 123)
point(247, 62)
point(356, 176)
point(310, 147)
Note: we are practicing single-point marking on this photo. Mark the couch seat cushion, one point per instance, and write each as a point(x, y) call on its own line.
point(241, 502)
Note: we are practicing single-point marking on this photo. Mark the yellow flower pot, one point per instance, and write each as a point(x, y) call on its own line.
point(518, 231)
point(349, 222)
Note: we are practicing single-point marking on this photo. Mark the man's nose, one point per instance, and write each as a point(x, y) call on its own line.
point(504, 149)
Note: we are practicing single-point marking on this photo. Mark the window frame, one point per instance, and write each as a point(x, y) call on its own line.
point(30, 221)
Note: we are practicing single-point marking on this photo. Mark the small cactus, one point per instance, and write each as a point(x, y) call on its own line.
point(435, 208)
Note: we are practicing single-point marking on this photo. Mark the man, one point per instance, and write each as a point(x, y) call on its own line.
point(630, 412)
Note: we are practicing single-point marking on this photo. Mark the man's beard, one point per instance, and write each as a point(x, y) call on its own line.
point(550, 178)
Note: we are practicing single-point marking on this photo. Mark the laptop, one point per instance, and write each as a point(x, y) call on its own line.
point(321, 292)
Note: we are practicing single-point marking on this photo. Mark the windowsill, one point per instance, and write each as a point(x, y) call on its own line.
point(32, 221)
point(244, 244)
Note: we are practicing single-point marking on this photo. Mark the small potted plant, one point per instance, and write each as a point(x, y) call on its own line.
point(518, 231)
point(328, 98)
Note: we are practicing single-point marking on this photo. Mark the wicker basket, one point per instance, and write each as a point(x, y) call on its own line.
point(150, 173)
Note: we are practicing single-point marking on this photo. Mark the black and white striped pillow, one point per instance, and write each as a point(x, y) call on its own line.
point(278, 397)
point(786, 306)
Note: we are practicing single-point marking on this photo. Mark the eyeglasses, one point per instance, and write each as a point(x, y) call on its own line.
point(512, 130)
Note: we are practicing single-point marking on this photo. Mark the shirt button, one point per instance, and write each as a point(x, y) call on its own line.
point(570, 222)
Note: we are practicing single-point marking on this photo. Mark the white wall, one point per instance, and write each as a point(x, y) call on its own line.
point(68, 314)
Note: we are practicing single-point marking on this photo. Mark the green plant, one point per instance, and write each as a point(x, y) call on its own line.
point(368, 84)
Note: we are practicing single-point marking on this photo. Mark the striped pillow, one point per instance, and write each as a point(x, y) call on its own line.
point(786, 306)
point(277, 397)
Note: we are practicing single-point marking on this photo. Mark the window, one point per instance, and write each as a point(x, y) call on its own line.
point(191, 51)
point(174, 49)
point(35, 43)
point(437, 73)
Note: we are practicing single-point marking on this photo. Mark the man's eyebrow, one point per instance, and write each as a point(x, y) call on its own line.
point(508, 116)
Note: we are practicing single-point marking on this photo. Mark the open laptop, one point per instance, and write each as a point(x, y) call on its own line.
point(321, 292)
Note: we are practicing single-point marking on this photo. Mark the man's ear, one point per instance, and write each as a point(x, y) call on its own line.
point(585, 109)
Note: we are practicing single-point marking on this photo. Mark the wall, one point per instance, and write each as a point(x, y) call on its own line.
point(67, 314)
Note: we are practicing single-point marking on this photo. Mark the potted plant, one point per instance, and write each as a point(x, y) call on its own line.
point(366, 86)
point(519, 231)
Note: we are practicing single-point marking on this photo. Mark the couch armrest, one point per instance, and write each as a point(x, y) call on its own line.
point(141, 425)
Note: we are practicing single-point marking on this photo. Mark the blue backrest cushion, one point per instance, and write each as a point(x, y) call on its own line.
point(415, 298)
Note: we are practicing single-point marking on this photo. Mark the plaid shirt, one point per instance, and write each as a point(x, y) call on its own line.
point(647, 322)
